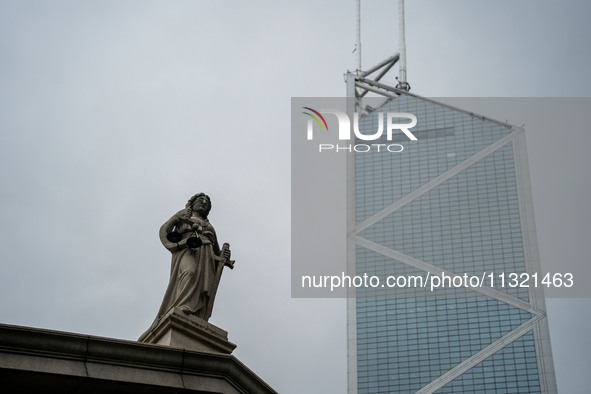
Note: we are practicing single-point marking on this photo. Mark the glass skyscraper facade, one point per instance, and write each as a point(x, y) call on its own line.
point(455, 202)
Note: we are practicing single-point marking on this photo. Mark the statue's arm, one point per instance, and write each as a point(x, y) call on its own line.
point(167, 227)
point(223, 253)
point(216, 246)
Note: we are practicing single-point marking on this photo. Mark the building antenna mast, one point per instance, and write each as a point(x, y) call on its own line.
point(402, 82)
point(358, 36)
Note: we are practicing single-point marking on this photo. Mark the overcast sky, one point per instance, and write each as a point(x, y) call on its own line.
point(113, 113)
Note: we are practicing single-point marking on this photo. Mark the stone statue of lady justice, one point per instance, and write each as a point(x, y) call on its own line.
point(197, 261)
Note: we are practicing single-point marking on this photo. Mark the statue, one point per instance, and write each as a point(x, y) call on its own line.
point(197, 260)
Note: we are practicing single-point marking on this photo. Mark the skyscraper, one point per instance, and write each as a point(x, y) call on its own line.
point(454, 203)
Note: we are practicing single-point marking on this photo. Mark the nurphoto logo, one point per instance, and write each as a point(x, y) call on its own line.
point(344, 130)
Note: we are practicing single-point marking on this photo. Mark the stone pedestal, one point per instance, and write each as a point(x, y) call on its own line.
point(180, 330)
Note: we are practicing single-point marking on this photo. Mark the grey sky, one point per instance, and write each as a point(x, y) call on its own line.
point(113, 113)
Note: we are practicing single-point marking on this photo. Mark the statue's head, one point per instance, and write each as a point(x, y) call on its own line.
point(197, 199)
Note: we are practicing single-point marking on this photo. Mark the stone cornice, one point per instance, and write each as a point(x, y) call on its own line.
point(62, 353)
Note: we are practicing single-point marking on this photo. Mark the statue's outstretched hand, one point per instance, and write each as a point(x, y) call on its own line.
point(184, 213)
